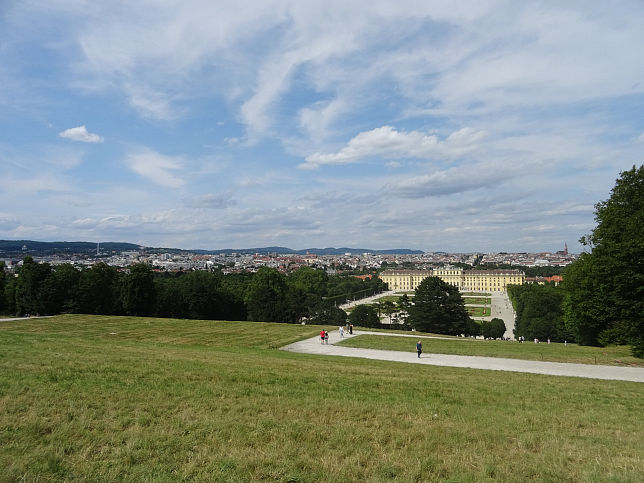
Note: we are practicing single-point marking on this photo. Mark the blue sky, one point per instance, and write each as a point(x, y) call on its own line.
point(434, 125)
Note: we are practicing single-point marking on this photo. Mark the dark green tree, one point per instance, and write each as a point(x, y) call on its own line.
point(98, 290)
point(30, 290)
point(138, 293)
point(612, 274)
point(3, 283)
point(364, 316)
point(10, 296)
point(328, 314)
point(309, 280)
point(201, 295)
point(66, 278)
point(539, 310)
point(170, 298)
point(266, 296)
point(439, 308)
point(473, 328)
point(493, 329)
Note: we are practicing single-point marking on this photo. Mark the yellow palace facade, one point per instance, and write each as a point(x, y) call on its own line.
point(467, 280)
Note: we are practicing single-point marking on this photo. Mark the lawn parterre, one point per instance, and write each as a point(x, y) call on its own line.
point(477, 300)
point(116, 398)
point(478, 311)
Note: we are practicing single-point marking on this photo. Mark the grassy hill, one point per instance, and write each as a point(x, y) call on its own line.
point(118, 398)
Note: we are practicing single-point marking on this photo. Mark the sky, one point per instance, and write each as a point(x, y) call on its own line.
point(470, 126)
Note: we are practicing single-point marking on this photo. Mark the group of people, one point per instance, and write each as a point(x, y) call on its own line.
point(324, 338)
point(324, 335)
point(521, 340)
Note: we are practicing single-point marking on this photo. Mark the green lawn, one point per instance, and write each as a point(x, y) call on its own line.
point(477, 300)
point(478, 311)
point(573, 353)
point(126, 399)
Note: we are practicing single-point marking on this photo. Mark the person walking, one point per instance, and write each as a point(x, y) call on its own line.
point(322, 332)
point(419, 348)
point(326, 337)
point(341, 329)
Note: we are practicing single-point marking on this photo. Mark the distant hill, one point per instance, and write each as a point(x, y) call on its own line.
point(39, 248)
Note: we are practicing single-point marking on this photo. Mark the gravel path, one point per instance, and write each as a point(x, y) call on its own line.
point(313, 346)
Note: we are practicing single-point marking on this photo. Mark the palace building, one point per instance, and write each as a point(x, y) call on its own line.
point(467, 280)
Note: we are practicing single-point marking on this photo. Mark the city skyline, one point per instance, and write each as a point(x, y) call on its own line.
point(478, 127)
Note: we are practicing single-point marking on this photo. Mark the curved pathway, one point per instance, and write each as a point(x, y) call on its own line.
point(313, 346)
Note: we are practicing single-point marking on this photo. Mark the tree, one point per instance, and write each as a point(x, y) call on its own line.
point(138, 295)
point(3, 283)
point(97, 290)
point(30, 296)
point(493, 329)
point(309, 280)
point(266, 296)
point(402, 306)
point(388, 308)
point(612, 274)
point(439, 308)
point(364, 316)
point(66, 279)
point(539, 310)
point(326, 313)
point(306, 287)
point(473, 328)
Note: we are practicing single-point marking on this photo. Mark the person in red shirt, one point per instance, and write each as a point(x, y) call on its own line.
point(322, 333)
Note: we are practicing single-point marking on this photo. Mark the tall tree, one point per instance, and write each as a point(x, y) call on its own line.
point(439, 308)
point(66, 278)
point(539, 312)
point(616, 262)
point(364, 316)
point(493, 329)
point(402, 306)
point(327, 313)
point(138, 294)
point(266, 296)
point(30, 293)
point(3, 283)
point(97, 290)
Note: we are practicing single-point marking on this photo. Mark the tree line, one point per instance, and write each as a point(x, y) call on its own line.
point(539, 312)
point(266, 295)
point(604, 287)
point(601, 299)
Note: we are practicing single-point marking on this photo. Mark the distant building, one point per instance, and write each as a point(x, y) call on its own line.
point(474, 280)
point(556, 279)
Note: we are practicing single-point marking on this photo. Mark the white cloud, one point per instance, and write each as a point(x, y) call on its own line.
point(387, 141)
point(439, 183)
point(317, 119)
point(212, 200)
point(640, 138)
point(156, 167)
point(80, 134)
point(152, 104)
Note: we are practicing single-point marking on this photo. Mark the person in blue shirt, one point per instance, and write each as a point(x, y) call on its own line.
point(419, 348)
